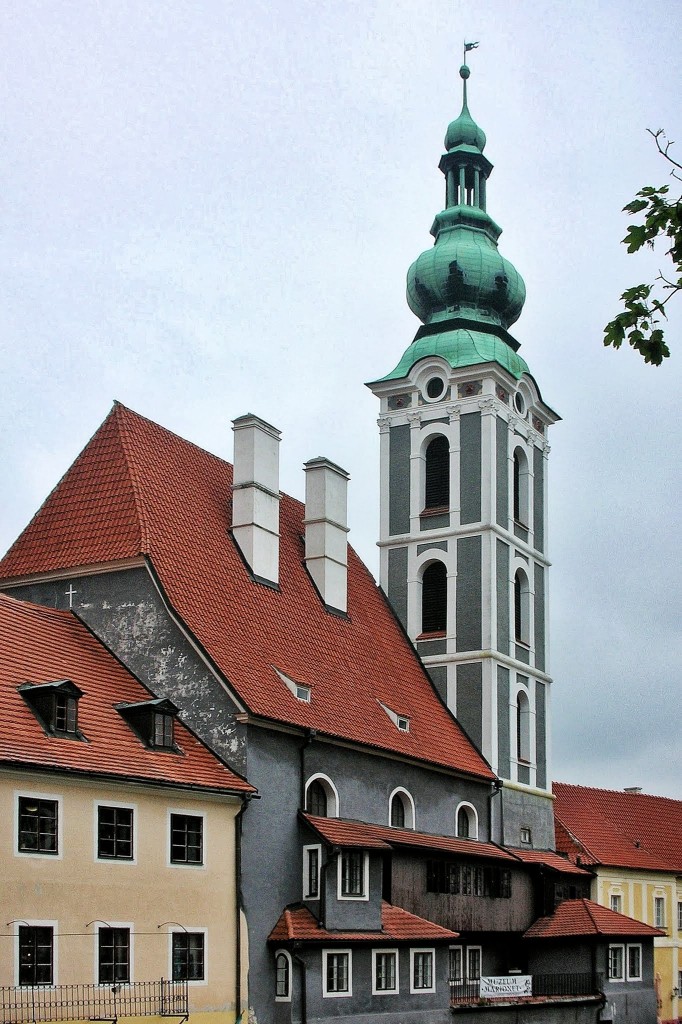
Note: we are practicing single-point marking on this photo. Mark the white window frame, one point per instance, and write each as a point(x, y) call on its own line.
point(413, 955)
point(329, 788)
point(131, 951)
point(472, 815)
point(659, 920)
point(611, 977)
point(32, 794)
point(287, 997)
point(633, 977)
point(408, 805)
point(616, 897)
point(35, 923)
point(306, 874)
point(189, 812)
point(326, 953)
point(365, 876)
point(119, 805)
point(385, 991)
point(193, 931)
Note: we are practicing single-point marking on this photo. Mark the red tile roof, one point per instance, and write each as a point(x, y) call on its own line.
point(138, 489)
point(344, 833)
point(578, 918)
point(41, 645)
point(397, 925)
point(619, 829)
point(548, 859)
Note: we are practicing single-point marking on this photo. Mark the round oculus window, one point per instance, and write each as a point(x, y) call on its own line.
point(520, 403)
point(435, 387)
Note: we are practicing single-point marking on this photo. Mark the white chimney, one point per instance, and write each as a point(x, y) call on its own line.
point(255, 495)
point(326, 545)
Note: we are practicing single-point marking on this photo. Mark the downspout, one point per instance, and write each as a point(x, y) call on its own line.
point(304, 984)
point(246, 800)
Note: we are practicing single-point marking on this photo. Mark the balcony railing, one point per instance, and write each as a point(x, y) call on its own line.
point(26, 1004)
point(560, 986)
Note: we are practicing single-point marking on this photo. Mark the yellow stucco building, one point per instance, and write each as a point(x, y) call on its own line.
point(632, 841)
point(119, 859)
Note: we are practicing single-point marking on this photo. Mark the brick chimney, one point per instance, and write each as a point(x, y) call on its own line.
point(255, 496)
point(326, 545)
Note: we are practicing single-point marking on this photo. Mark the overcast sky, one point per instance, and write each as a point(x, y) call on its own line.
point(208, 208)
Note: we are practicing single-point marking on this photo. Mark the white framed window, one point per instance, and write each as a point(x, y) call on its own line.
point(385, 978)
point(617, 962)
point(401, 809)
point(189, 955)
point(35, 953)
point(353, 875)
point(321, 796)
point(37, 824)
point(312, 857)
point(679, 916)
point(115, 832)
point(455, 964)
point(186, 838)
point(422, 970)
point(616, 902)
point(282, 976)
point(474, 959)
point(659, 911)
point(526, 835)
point(114, 953)
point(466, 819)
point(337, 973)
point(634, 964)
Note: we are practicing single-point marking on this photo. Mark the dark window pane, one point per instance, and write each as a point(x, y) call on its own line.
point(316, 799)
point(114, 955)
point(35, 955)
point(397, 812)
point(163, 730)
point(313, 875)
point(37, 825)
point(437, 490)
point(188, 956)
point(186, 839)
point(282, 971)
point(353, 873)
point(115, 832)
point(65, 717)
point(434, 598)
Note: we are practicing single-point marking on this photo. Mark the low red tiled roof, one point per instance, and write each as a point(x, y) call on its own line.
point(42, 645)
point(548, 859)
point(619, 829)
point(138, 489)
point(576, 918)
point(340, 832)
point(397, 925)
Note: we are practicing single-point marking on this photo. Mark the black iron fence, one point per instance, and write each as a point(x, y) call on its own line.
point(549, 985)
point(26, 1004)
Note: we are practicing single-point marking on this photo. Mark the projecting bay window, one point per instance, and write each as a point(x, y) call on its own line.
point(354, 875)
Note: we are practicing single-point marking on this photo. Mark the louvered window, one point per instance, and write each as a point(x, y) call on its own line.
point(437, 491)
point(434, 598)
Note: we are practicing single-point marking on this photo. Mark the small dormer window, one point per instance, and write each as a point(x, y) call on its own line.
point(401, 722)
point(55, 705)
point(301, 691)
point(153, 721)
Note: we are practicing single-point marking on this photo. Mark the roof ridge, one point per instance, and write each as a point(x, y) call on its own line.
point(622, 793)
point(588, 909)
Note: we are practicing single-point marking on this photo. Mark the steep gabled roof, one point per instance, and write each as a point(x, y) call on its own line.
point(137, 489)
point(548, 859)
point(40, 645)
point(397, 925)
point(582, 918)
point(619, 829)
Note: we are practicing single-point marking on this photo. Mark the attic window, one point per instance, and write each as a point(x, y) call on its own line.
point(152, 721)
point(301, 691)
point(401, 722)
point(55, 705)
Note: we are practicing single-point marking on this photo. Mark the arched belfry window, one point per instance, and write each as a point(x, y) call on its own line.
point(437, 480)
point(520, 485)
point(522, 727)
point(434, 598)
point(521, 608)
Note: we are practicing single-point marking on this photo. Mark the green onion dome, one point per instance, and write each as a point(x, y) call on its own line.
point(464, 131)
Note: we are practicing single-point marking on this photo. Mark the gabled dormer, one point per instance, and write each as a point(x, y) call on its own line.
point(55, 705)
point(152, 721)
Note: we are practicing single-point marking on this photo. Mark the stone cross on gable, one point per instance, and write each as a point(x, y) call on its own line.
point(69, 593)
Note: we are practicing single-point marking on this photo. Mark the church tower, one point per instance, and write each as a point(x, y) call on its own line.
point(463, 534)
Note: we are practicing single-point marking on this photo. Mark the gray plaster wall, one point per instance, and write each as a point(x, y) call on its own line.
point(541, 733)
point(539, 616)
point(470, 700)
point(531, 810)
point(470, 468)
point(399, 479)
point(364, 1008)
point(503, 739)
point(502, 596)
point(502, 472)
point(352, 914)
point(439, 678)
point(397, 582)
point(126, 611)
point(539, 499)
point(468, 601)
